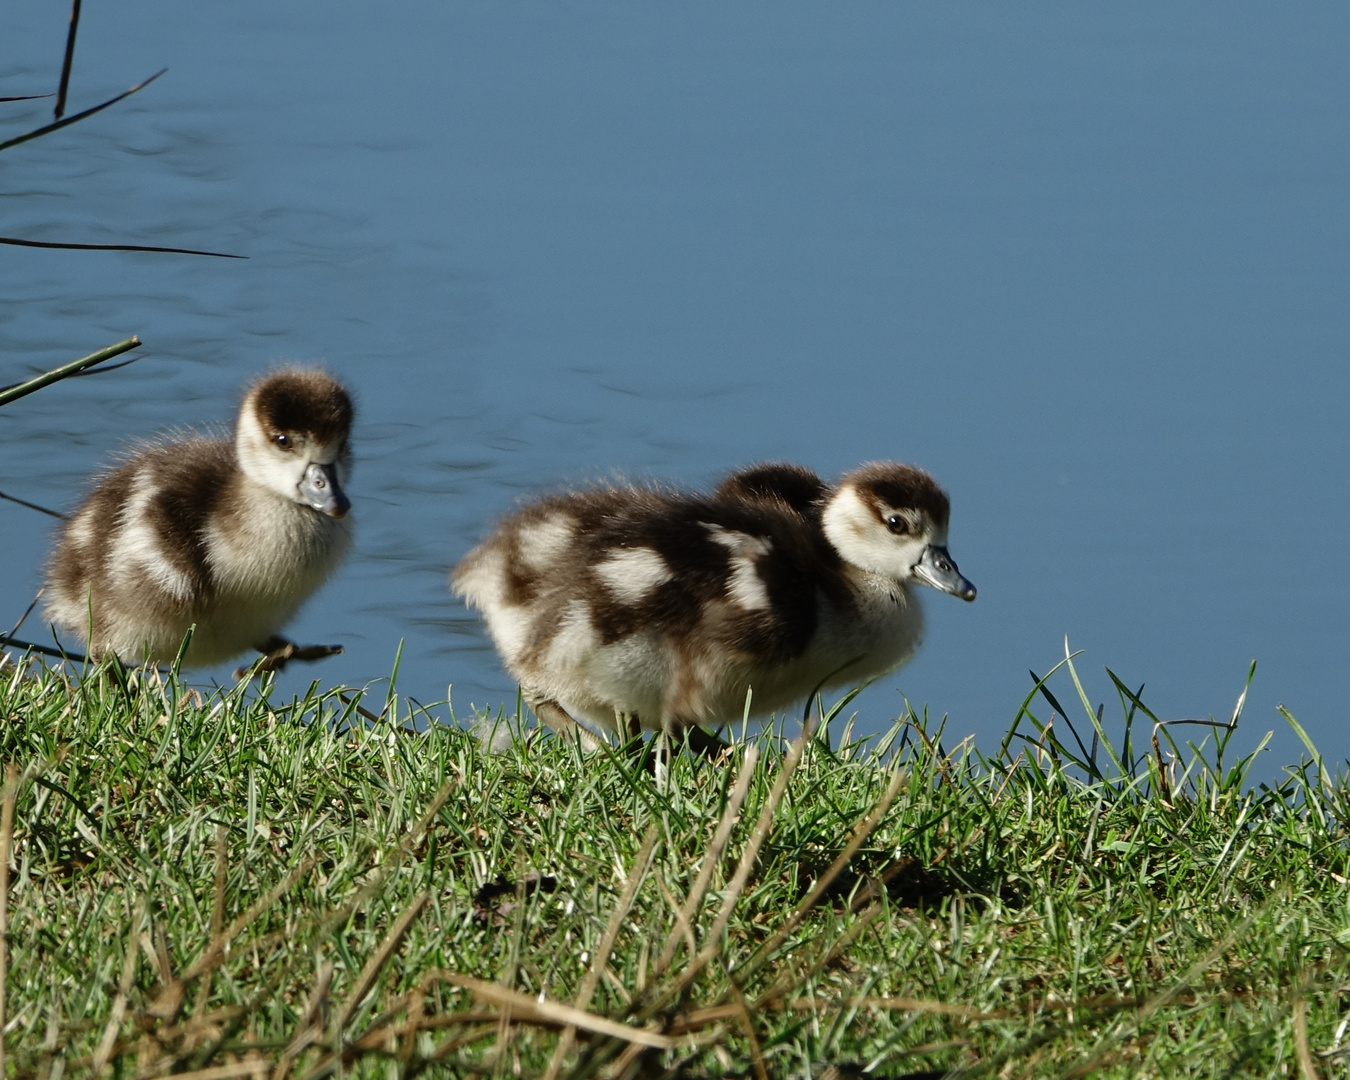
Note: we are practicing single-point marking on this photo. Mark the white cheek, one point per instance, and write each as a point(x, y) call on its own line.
point(860, 538)
point(264, 464)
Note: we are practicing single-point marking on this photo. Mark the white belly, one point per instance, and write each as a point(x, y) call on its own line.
point(667, 683)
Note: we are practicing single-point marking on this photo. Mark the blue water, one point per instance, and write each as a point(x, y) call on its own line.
point(1088, 263)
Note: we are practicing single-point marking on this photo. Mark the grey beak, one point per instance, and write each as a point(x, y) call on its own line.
point(937, 569)
point(320, 489)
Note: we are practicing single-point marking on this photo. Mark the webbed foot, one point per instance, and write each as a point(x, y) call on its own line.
point(556, 717)
point(277, 652)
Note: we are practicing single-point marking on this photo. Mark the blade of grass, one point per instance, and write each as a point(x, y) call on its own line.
point(861, 832)
point(14, 241)
point(730, 815)
point(6, 844)
point(13, 393)
point(68, 61)
point(370, 972)
point(67, 121)
point(606, 946)
point(33, 506)
point(1024, 710)
point(524, 1007)
point(44, 650)
point(1093, 716)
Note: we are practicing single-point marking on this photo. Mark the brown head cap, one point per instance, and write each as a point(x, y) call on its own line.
point(303, 400)
point(902, 487)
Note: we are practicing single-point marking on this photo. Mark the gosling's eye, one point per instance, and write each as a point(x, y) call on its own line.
point(897, 525)
point(283, 440)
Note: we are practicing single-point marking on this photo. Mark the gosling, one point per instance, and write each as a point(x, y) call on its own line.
point(628, 606)
point(228, 536)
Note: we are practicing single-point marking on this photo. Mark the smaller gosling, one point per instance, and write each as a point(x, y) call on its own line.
point(632, 606)
point(229, 536)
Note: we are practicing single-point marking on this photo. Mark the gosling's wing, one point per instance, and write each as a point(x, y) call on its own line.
point(795, 486)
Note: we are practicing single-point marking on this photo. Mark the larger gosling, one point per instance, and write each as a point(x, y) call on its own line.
point(634, 605)
point(231, 536)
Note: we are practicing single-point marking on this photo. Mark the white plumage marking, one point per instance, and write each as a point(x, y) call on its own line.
point(576, 638)
point(631, 573)
point(484, 584)
point(745, 586)
point(540, 544)
point(138, 545)
point(81, 531)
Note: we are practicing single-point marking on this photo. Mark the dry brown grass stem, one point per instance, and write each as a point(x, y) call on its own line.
point(401, 852)
point(370, 972)
point(456, 1041)
point(682, 924)
point(748, 1025)
point(602, 952)
point(217, 915)
point(864, 829)
point(248, 1067)
point(310, 1026)
point(1301, 1051)
point(698, 1019)
point(215, 949)
point(119, 1007)
point(788, 981)
point(763, 825)
point(525, 1008)
point(730, 815)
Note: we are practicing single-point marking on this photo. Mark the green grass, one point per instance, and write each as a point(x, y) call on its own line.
point(237, 886)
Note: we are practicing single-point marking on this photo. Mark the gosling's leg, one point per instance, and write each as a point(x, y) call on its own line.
point(555, 716)
point(704, 742)
point(664, 744)
point(277, 652)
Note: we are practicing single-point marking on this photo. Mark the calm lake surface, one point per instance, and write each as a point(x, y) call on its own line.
point(1089, 264)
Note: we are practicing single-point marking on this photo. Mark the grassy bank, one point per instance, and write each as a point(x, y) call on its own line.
point(231, 887)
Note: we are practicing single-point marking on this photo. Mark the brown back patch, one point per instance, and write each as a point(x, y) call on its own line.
point(797, 486)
